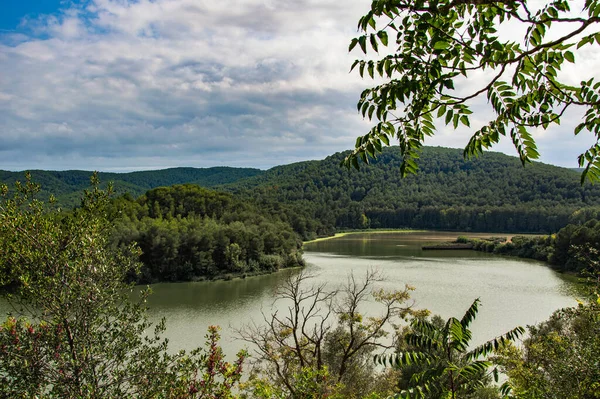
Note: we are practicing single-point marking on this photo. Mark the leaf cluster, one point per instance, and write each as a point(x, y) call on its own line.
point(427, 51)
point(74, 331)
point(442, 362)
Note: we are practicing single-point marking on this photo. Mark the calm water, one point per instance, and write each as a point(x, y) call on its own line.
point(513, 291)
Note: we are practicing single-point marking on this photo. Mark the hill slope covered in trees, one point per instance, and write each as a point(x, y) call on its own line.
point(67, 186)
point(491, 193)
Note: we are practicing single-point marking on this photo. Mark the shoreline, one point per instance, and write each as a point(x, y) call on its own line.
point(372, 231)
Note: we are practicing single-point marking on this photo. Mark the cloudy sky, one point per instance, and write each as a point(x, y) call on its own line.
point(120, 85)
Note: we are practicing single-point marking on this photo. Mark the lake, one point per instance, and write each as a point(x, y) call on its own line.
point(513, 291)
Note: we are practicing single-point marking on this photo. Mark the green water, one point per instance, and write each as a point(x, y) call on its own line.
point(513, 291)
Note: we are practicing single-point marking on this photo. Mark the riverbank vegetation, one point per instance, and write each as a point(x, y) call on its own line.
point(186, 232)
point(573, 249)
point(78, 334)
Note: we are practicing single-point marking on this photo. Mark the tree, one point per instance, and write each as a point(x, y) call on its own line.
point(75, 332)
point(559, 359)
point(440, 45)
point(323, 337)
point(439, 360)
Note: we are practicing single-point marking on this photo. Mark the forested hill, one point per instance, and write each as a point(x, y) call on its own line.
point(491, 193)
point(67, 186)
point(187, 232)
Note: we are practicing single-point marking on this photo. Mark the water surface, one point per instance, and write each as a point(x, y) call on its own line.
point(512, 291)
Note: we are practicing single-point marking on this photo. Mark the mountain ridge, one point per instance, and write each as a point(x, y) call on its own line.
point(493, 192)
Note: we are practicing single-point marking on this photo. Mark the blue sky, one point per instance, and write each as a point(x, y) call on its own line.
point(125, 85)
point(14, 11)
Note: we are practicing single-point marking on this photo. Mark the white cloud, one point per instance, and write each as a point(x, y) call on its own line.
point(184, 83)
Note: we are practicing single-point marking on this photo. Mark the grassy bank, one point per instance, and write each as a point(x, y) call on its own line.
point(370, 231)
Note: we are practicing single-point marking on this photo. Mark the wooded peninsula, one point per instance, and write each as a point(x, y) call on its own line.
point(246, 221)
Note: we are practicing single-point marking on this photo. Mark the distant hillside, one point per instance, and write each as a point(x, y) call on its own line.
point(68, 185)
point(491, 193)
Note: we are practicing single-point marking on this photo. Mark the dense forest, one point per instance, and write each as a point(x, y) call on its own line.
point(187, 232)
point(255, 222)
point(68, 186)
point(492, 193)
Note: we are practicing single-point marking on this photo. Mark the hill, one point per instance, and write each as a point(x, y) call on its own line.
point(67, 186)
point(491, 193)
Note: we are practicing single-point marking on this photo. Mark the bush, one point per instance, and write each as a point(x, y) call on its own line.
point(79, 335)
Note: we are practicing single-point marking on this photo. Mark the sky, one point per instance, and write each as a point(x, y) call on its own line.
point(120, 85)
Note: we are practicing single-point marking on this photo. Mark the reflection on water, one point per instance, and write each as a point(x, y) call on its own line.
point(513, 291)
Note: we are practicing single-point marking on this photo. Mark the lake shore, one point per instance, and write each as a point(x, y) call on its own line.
point(373, 231)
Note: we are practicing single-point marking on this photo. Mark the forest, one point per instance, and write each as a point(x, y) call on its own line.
point(68, 186)
point(186, 232)
point(255, 221)
point(491, 193)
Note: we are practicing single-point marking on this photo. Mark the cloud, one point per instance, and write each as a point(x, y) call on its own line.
point(117, 84)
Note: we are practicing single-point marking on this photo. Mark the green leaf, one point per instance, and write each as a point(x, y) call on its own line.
point(569, 56)
point(383, 37)
point(362, 41)
point(441, 111)
point(441, 45)
point(373, 41)
point(465, 120)
point(449, 115)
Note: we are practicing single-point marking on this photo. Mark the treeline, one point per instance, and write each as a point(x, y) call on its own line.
point(492, 193)
point(186, 232)
point(575, 248)
point(67, 186)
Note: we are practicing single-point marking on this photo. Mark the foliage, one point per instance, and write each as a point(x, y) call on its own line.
point(68, 185)
point(559, 359)
point(308, 384)
point(187, 232)
point(75, 333)
point(573, 249)
point(436, 49)
point(318, 198)
point(442, 363)
point(324, 337)
point(490, 193)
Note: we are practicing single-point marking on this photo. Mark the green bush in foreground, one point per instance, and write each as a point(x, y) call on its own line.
point(75, 333)
point(559, 359)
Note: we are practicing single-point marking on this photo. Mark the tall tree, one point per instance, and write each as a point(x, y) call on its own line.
point(75, 332)
point(438, 46)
